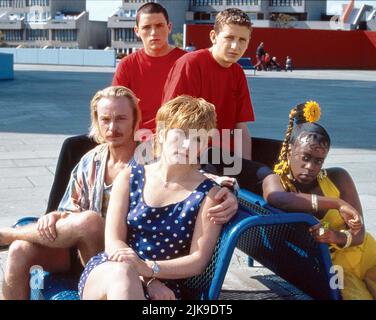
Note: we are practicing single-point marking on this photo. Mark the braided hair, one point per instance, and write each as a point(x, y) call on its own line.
point(304, 117)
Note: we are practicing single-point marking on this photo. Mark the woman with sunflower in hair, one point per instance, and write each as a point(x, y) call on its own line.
point(300, 184)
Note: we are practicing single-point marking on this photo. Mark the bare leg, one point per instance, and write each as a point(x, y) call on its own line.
point(84, 230)
point(22, 256)
point(113, 281)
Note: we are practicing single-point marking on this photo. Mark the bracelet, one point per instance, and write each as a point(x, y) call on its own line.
point(314, 202)
point(150, 281)
point(348, 241)
point(348, 238)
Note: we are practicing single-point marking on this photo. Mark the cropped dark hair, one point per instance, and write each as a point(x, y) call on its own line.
point(151, 7)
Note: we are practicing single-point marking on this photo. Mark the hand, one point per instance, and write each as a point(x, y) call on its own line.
point(351, 217)
point(322, 235)
point(223, 181)
point(129, 256)
point(46, 225)
point(226, 182)
point(157, 290)
point(223, 212)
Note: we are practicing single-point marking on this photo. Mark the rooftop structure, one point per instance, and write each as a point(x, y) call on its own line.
point(49, 23)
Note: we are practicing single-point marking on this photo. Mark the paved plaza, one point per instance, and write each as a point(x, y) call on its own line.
point(45, 104)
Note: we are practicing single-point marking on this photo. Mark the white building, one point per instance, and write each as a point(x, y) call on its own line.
point(51, 23)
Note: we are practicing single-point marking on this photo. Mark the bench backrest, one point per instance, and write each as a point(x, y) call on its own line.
point(288, 249)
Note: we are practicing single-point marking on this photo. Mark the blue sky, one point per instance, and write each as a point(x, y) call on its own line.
point(101, 9)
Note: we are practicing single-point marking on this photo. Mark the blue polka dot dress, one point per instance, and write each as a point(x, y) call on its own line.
point(160, 233)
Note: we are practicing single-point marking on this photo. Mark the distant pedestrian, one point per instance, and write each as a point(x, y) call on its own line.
point(288, 64)
point(267, 61)
point(274, 65)
point(260, 53)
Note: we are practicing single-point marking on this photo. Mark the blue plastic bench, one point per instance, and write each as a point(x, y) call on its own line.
point(206, 286)
point(246, 64)
point(278, 240)
point(282, 243)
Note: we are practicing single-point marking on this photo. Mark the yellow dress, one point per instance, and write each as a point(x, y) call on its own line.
point(358, 262)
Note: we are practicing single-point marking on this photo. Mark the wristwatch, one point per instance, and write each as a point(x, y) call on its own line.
point(155, 268)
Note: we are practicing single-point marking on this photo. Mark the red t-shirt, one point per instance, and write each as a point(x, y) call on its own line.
point(146, 76)
point(198, 74)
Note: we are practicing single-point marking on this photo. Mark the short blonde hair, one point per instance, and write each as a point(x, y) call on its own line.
point(185, 112)
point(231, 16)
point(109, 92)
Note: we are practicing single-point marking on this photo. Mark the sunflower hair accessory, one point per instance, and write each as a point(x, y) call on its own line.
point(311, 111)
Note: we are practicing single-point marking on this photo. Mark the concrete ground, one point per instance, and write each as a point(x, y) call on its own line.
point(45, 104)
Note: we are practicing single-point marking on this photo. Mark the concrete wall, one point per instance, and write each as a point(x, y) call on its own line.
point(315, 9)
point(6, 66)
point(371, 25)
point(98, 37)
point(63, 56)
point(176, 12)
point(311, 49)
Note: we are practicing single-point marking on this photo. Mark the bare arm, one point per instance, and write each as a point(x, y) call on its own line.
point(349, 194)
point(246, 140)
point(348, 205)
point(116, 228)
point(223, 212)
point(276, 196)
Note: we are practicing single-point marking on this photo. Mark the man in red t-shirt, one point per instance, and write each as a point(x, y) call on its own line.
point(214, 75)
point(145, 71)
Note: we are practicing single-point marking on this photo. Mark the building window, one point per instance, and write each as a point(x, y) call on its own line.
point(36, 34)
point(243, 2)
point(203, 3)
point(136, 1)
point(45, 16)
point(12, 35)
point(5, 3)
point(40, 3)
point(125, 34)
point(36, 16)
point(64, 35)
point(285, 3)
point(252, 15)
point(202, 16)
point(126, 13)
